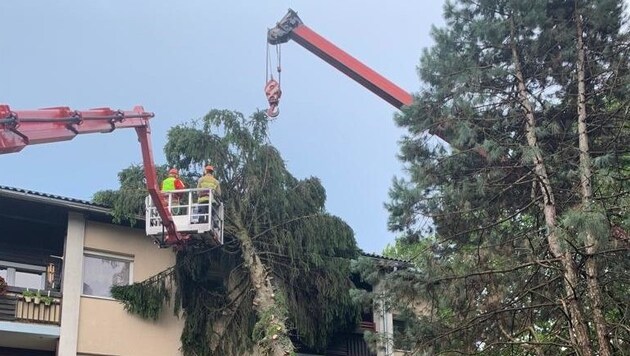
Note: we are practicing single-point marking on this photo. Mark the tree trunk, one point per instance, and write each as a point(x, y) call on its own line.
point(586, 175)
point(275, 340)
point(578, 326)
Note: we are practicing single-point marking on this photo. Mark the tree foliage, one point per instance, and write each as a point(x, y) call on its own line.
point(127, 203)
point(146, 299)
point(493, 265)
point(274, 221)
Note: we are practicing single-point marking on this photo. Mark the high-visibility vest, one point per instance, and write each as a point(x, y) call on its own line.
point(207, 181)
point(168, 184)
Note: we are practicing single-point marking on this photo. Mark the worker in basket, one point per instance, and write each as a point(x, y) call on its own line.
point(208, 181)
point(172, 182)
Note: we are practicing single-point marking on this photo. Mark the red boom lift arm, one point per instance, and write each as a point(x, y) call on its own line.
point(19, 129)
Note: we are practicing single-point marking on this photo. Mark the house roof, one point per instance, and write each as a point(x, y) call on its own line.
point(387, 262)
point(70, 203)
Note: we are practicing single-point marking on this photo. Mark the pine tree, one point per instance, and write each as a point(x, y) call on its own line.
point(520, 255)
point(283, 272)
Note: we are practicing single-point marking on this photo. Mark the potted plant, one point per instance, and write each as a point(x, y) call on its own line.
point(47, 300)
point(3, 286)
point(28, 295)
point(37, 298)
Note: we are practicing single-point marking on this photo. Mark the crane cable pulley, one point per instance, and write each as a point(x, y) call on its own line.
point(272, 87)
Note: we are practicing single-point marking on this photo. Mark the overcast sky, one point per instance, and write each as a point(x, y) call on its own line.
point(180, 59)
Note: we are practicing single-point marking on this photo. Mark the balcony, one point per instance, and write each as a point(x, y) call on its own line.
point(30, 261)
point(33, 293)
point(15, 307)
point(31, 256)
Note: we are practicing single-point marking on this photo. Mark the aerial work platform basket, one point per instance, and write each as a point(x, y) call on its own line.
point(190, 216)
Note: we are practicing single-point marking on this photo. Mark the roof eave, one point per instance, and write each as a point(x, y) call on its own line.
point(22, 195)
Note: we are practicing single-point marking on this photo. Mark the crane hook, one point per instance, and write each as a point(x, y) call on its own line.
point(273, 111)
point(273, 93)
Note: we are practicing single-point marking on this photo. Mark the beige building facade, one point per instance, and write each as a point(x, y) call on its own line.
point(68, 253)
point(71, 251)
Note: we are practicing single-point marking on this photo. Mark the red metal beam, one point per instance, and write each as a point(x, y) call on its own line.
point(19, 129)
point(291, 27)
point(30, 127)
point(350, 66)
point(150, 174)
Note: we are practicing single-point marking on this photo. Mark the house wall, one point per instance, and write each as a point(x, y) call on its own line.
point(385, 315)
point(383, 323)
point(105, 328)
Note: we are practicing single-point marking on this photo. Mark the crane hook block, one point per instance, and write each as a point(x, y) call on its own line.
point(273, 93)
point(281, 33)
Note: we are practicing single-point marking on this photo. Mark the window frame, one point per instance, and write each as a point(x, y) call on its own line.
point(105, 256)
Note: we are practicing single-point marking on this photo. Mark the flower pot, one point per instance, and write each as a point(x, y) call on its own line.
point(36, 300)
point(47, 303)
point(27, 299)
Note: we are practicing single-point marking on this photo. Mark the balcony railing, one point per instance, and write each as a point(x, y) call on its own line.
point(366, 326)
point(14, 307)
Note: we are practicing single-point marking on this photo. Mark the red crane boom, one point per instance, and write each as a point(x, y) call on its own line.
point(291, 27)
point(19, 129)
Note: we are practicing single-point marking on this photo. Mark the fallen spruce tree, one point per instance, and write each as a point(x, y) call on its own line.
point(283, 272)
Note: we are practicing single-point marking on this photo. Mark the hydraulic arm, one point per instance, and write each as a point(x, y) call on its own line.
point(19, 129)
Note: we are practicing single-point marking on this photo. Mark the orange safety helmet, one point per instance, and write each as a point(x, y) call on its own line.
point(209, 168)
point(173, 171)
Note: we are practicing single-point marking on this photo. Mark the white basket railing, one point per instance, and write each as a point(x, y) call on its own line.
point(189, 215)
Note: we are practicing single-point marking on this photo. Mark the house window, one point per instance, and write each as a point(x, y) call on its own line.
point(401, 340)
point(23, 275)
point(101, 271)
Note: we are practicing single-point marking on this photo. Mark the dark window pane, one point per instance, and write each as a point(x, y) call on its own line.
point(401, 340)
